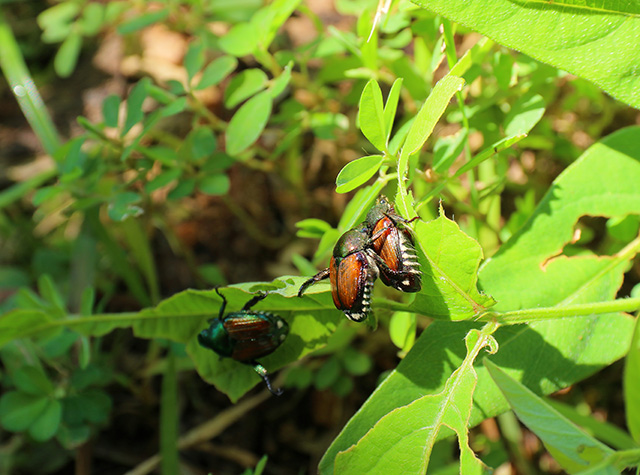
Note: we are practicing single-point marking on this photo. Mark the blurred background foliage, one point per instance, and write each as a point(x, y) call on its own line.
point(196, 135)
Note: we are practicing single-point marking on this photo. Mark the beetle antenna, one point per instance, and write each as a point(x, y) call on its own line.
point(224, 303)
point(397, 218)
point(262, 372)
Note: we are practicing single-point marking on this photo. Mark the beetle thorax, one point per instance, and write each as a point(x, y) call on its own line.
point(352, 241)
point(216, 338)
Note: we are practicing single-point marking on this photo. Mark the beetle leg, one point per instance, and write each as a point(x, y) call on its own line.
point(323, 274)
point(379, 234)
point(224, 303)
point(388, 270)
point(260, 296)
point(262, 372)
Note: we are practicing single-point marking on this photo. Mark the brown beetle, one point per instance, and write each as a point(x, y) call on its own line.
point(394, 246)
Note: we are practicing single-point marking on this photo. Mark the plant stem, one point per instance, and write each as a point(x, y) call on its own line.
point(452, 59)
point(169, 417)
point(22, 85)
point(577, 310)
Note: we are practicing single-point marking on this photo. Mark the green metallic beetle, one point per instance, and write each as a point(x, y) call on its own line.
point(246, 335)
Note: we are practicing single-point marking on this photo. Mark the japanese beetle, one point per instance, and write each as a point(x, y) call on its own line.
point(352, 271)
point(246, 335)
point(395, 247)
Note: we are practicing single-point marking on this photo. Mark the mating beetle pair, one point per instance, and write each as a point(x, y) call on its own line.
point(246, 335)
point(378, 247)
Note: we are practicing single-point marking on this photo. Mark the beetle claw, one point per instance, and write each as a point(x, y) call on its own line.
point(262, 372)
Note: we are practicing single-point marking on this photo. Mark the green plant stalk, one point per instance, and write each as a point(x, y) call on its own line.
point(169, 417)
point(538, 314)
point(22, 85)
point(452, 60)
point(577, 310)
point(512, 435)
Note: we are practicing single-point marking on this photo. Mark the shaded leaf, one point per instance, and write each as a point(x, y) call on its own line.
point(248, 122)
point(216, 71)
point(244, 85)
point(570, 446)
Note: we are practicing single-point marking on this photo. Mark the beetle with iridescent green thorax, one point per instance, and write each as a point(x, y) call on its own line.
point(246, 335)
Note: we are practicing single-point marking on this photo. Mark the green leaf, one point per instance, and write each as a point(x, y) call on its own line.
point(357, 172)
point(241, 40)
point(402, 330)
point(447, 149)
point(356, 363)
point(163, 179)
point(45, 426)
point(279, 84)
point(430, 113)
point(165, 155)
point(93, 16)
point(623, 228)
point(248, 122)
point(391, 107)
point(405, 437)
point(312, 228)
point(570, 446)
point(134, 105)
point(324, 124)
point(632, 385)
point(244, 85)
point(371, 115)
point(184, 188)
point(593, 41)
point(328, 374)
point(193, 59)
point(124, 205)
point(217, 71)
point(111, 110)
point(421, 129)
point(359, 206)
point(67, 56)
point(49, 292)
point(215, 185)
point(32, 380)
point(449, 260)
point(142, 21)
point(91, 406)
point(203, 142)
point(267, 21)
point(64, 12)
point(19, 410)
point(173, 108)
point(525, 113)
point(606, 432)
